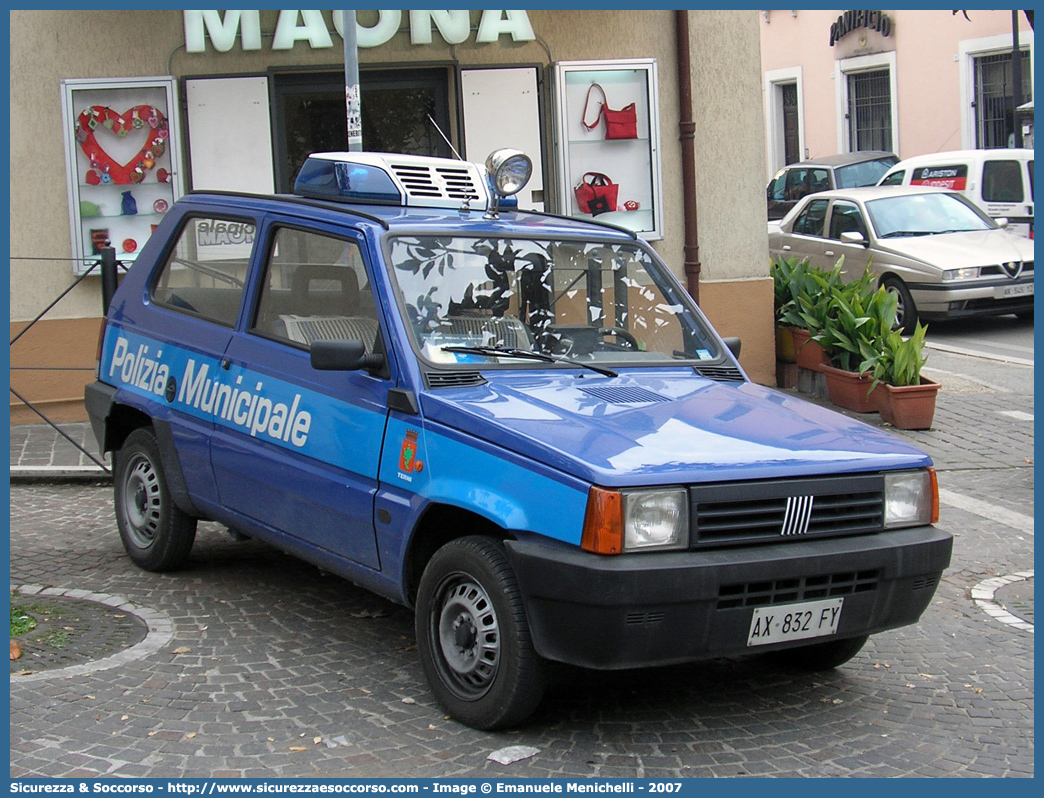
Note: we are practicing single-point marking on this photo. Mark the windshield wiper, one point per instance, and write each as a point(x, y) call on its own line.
point(905, 233)
point(525, 354)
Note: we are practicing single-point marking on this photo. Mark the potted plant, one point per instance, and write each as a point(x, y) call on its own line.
point(852, 336)
point(810, 313)
point(909, 399)
point(787, 275)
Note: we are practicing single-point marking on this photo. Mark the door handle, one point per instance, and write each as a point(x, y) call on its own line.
point(786, 247)
point(829, 252)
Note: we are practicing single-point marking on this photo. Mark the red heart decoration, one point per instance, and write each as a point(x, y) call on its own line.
point(139, 117)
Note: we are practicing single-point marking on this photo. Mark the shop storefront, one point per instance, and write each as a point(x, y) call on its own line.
point(235, 100)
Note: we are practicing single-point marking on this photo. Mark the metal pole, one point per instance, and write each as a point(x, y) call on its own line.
point(351, 82)
point(108, 275)
point(1016, 78)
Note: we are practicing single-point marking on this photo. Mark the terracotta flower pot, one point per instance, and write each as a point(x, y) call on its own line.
point(910, 406)
point(808, 353)
point(850, 390)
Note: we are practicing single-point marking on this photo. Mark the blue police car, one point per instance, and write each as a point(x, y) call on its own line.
point(518, 424)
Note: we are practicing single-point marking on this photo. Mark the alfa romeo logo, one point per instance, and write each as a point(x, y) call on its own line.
point(1013, 268)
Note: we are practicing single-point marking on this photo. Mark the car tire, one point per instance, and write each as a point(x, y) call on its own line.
point(906, 312)
point(473, 636)
point(156, 534)
point(819, 656)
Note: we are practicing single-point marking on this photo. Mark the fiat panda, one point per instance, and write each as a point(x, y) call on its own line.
point(518, 424)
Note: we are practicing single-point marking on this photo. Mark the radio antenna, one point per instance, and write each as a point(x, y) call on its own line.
point(449, 144)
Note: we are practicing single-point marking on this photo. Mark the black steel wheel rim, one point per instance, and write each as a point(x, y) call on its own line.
point(465, 636)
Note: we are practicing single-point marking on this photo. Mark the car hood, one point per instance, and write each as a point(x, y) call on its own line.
point(956, 250)
point(662, 426)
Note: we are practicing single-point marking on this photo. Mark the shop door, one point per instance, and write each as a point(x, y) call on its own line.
point(309, 115)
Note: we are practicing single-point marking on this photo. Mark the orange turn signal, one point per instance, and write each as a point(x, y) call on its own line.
point(603, 522)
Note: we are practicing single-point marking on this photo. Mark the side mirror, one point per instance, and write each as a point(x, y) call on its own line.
point(342, 355)
point(734, 344)
point(854, 237)
point(1002, 222)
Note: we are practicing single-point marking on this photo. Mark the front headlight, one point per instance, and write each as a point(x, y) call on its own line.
point(969, 273)
point(655, 519)
point(911, 498)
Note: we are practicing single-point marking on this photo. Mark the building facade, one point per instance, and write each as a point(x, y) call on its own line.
point(905, 81)
point(233, 100)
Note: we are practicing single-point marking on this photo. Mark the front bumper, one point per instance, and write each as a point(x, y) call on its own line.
point(626, 611)
point(945, 301)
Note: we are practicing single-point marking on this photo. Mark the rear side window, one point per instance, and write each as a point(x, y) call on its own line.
point(810, 221)
point(205, 272)
point(316, 289)
point(1002, 181)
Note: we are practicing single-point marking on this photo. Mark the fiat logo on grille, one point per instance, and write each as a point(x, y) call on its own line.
point(1012, 268)
point(797, 516)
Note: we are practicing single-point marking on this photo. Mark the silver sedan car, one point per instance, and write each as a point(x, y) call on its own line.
point(941, 255)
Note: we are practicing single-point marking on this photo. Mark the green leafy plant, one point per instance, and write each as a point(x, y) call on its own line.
point(898, 360)
point(860, 318)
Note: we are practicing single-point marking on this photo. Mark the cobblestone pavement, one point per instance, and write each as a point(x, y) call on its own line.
point(272, 670)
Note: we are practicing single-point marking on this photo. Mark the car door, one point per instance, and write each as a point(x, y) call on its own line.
point(196, 299)
point(847, 217)
point(297, 449)
point(804, 238)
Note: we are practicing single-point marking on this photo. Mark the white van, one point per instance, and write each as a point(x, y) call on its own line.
point(998, 181)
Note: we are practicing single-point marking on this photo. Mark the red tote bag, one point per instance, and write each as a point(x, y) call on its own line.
point(596, 193)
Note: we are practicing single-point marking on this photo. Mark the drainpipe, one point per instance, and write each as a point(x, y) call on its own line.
point(687, 136)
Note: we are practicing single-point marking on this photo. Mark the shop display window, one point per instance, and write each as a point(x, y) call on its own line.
point(608, 143)
point(123, 164)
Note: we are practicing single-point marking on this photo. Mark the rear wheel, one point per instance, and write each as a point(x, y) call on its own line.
point(155, 533)
point(473, 636)
point(819, 656)
point(906, 311)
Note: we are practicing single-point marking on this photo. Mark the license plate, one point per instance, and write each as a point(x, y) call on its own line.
point(1013, 290)
point(783, 622)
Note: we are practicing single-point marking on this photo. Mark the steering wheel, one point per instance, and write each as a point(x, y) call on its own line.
point(630, 343)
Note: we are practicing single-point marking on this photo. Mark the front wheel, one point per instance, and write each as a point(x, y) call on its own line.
point(473, 636)
point(819, 656)
point(906, 311)
point(156, 534)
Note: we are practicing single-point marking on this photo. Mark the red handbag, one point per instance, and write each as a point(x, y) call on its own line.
point(596, 193)
point(622, 124)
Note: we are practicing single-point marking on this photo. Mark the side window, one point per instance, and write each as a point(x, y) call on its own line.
point(820, 179)
point(315, 289)
point(205, 272)
point(846, 218)
point(1002, 181)
point(810, 221)
point(777, 187)
point(894, 179)
point(796, 184)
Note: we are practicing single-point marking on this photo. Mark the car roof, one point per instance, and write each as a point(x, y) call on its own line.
point(865, 193)
point(845, 158)
point(412, 218)
point(963, 155)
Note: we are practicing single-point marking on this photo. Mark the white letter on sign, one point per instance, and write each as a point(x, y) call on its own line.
point(222, 32)
point(288, 31)
point(386, 27)
point(493, 24)
point(453, 25)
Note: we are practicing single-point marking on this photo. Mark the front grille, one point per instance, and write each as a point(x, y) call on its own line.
point(785, 510)
point(806, 588)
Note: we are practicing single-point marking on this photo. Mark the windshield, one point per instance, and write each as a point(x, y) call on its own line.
point(924, 215)
point(866, 173)
point(581, 300)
